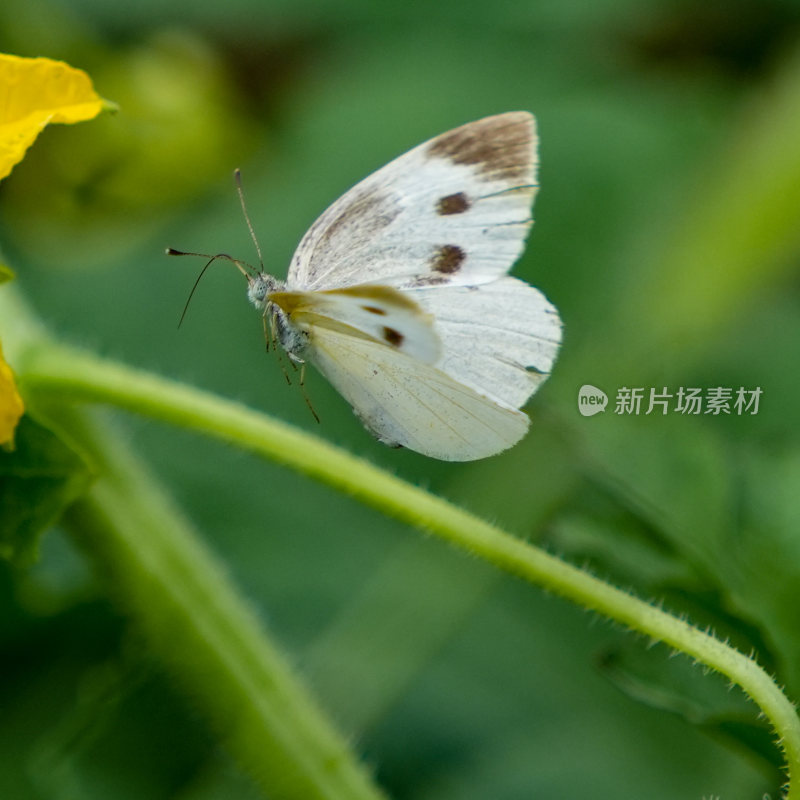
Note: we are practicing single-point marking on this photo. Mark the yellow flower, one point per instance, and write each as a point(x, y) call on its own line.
point(35, 92)
point(11, 407)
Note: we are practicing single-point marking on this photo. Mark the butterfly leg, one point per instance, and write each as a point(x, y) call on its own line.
point(303, 390)
point(269, 336)
point(272, 337)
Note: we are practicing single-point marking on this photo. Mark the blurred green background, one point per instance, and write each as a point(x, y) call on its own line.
point(668, 235)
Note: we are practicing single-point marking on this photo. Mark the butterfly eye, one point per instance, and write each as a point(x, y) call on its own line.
point(257, 290)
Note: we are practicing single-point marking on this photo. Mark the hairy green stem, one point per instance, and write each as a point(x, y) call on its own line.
point(193, 617)
point(72, 375)
point(181, 599)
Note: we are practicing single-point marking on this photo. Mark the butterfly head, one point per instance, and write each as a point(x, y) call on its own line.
point(260, 286)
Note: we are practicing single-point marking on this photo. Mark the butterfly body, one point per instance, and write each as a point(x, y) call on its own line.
point(291, 338)
point(399, 295)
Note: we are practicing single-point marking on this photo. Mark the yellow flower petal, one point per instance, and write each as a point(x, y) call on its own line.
point(11, 407)
point(35, 92)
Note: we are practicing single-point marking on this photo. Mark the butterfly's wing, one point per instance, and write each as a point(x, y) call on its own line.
point(500, 338)
point(404, 401)
point(451, 347)
point(455, 210)
point(378, 313)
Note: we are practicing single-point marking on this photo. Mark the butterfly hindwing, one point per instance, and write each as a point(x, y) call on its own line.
point(406, 402)
point(500, 338)
point(455, 210)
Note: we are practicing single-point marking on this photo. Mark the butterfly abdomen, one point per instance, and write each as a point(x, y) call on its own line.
point(293, 339)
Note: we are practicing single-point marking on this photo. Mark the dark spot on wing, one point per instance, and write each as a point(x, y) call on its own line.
point(393, 337)
point(374, 310)
point(448, 259)
point(501, 147)
point(453, 204)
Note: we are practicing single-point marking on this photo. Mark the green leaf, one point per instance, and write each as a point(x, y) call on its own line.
point(704, 700)
point(6, 274)
point(764, 565)
point(38, 481)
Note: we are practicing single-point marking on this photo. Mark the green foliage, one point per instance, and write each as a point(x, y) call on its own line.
point(39, 479)
point(666, 232)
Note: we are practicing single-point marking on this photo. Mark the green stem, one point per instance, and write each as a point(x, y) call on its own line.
point(193, 617)
point(71, 375)
point(181, 599)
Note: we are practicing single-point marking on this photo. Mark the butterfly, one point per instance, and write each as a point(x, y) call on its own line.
point(399, 294)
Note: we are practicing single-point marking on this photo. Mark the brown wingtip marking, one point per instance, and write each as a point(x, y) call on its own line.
point(374, 310)
point(393, 337)
point(456, 203)
point(501, 147)
point(448, 259)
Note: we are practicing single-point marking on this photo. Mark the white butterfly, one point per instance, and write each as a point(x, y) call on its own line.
point(398, 294)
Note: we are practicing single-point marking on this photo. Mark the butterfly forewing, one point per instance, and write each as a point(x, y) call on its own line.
point(380, 313)
point(454, 210)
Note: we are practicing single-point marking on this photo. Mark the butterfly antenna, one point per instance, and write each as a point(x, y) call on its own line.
point(245, 269)
point(191, 294)
point(237, 174)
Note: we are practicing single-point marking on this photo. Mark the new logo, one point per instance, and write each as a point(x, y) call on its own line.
point(591, 400)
